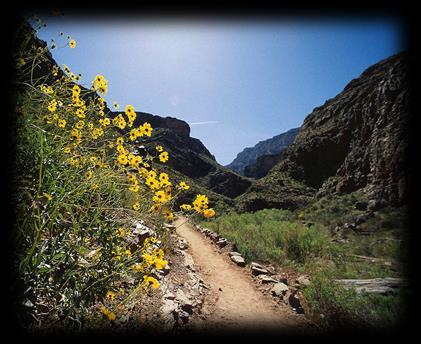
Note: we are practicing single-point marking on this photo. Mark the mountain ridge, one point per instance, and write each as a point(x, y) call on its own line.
point(274, 145)
point(355, 141)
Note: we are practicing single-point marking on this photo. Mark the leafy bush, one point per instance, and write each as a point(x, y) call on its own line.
point(270, 235)
point(335, 306)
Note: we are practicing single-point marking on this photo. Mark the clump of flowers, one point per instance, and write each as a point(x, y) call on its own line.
point(82, 168)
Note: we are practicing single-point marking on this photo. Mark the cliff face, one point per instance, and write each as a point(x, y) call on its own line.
point(272, 146)
point(189, 156)
point(360, 137)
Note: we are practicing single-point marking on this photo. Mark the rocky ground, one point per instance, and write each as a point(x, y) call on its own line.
point(208, 286)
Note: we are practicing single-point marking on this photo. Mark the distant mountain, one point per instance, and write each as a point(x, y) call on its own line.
point(355, 141)
point(272, 146)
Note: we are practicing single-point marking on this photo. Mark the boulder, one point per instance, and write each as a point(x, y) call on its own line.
point(279, 289)
point(238, 260)
point(258, 271)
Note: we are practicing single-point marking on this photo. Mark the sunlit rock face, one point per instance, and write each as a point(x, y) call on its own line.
point(360, 137)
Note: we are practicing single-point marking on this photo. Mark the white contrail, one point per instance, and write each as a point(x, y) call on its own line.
point(206, 122)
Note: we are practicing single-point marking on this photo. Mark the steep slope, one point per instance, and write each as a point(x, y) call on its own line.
point(190, 157)
point(249, 155)
point(359, 139)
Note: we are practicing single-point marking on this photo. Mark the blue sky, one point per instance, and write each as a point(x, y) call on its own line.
point(249, 80)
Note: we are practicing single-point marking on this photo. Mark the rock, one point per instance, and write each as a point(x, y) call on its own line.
point(375, 204)
point(361, 205)
point(295, 303)
point(255, 162)
point(267, 279)
point(255, 265)
point(182, 244)
point(238, 260)
point(168, 306)
point(169, 296)
point(222, 242)
point(363, 130)
point(303, 281)
point(258, 271)
point(234, 254)
point(184, 301)
point(184, 316)
point(279, 289)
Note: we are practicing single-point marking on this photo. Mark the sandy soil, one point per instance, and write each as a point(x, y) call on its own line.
point(233, 301)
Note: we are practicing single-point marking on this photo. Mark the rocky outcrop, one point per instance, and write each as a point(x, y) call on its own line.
point(263, 165)
point(272, 146)
point(355, 141)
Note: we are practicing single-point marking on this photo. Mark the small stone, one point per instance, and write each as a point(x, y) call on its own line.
point(303, 280)
point(168, 307)
point(267, 279)
point(222, 242)
point(169, 296)
point(238, 260)
point(233, 253)
point(258, 271)
point(255, 265)
point(361, 205)
point(279, 289)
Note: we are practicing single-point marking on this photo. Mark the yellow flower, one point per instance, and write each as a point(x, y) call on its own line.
point(120, 141)
point(62, 123)
point(100, 84)
point(88, 174)
point(52, 107)
point(122, 159)
point(163, 177)
point(147, 129)
point(128, 252)
point(136, 206)
point(134, 188)
point(168, 214)
point(209, 213)
point(152, 183)
point(160, 263)
point(47, 196)
point(159, 148)
point(110, 295)
point(121, 232)
point(160, 197)
point(79, 113)
point(186, 207)
point(116, 105)
point(163, 157)
point(183, 186)
point(110, 315)
point(67, 150)
point(76, 90)
point(72, 44)
point(148, 280)
point(156, 207)
point(200, 203)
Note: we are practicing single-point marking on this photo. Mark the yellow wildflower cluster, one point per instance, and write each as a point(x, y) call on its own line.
point(100, 84)
point(100, 170)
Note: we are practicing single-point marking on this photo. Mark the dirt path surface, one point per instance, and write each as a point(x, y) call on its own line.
point(232, 301)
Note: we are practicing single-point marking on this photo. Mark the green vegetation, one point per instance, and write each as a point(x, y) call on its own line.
point(306, 240)
point(81, 186)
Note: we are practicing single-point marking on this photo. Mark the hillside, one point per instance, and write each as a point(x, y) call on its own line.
point(355, 141)
point(273, 146)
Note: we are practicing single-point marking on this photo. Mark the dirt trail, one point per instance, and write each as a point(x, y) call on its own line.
point(232, 300)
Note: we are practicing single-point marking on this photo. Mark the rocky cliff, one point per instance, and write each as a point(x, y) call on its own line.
point(190, 157)
point(355, 141)
point(272, 146)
